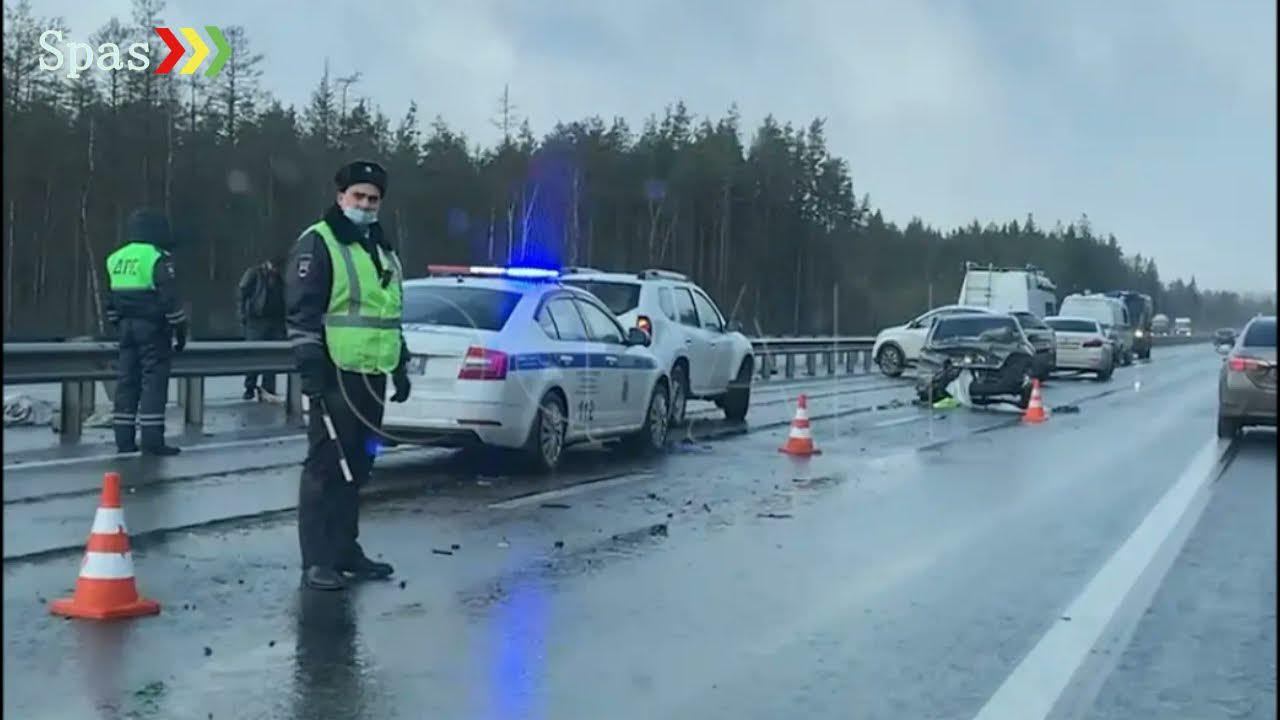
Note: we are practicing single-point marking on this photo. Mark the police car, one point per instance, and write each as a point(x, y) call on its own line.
point(512, 358)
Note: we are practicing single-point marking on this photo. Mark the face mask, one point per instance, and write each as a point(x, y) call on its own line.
point(361, 218)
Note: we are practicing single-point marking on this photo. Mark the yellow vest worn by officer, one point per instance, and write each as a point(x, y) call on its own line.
point(362, 323)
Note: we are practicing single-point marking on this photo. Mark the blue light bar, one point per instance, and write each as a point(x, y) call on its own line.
point(534, 273)
point(520, 273)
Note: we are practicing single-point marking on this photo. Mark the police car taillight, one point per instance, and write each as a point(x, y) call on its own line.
point(483, 364)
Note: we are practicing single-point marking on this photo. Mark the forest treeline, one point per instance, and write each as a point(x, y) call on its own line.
point(769, 222)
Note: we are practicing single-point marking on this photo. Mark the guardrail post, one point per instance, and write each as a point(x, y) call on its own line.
point(293, 399)
point(811, 364)
point(72, 415)
point(763, 366)
point(866, 361)
point(192, 395)
point(88, 398)
point(850, 361)
point(831, 363)
point(790, 368)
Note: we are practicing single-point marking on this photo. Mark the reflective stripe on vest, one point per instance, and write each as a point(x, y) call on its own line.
point(362, 325)
point(133, 266)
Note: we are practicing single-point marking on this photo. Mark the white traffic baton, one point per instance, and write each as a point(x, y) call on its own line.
point(333, 435)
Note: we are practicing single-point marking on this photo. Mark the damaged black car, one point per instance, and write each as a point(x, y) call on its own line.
point(992, 347)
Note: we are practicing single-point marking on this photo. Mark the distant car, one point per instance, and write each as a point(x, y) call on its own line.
point(898, 347)
point(1247, 380)
point(705, 356)
point(1042, 339)
point(992, 346)
point(1224, 336)
point(1082, 345)
point(512, 358)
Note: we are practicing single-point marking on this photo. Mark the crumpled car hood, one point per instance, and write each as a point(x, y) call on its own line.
point(995, 353)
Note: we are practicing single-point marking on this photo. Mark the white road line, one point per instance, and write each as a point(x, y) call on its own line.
point(185, 450)
point(1035, 687)
point(899, 421)
point(568, 491)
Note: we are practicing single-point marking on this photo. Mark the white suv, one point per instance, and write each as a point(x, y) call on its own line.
point(706, 357)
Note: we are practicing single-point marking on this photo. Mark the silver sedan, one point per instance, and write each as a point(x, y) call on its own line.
point(1247, 380)
point(1082, 345)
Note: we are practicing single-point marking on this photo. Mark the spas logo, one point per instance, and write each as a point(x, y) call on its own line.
point(79, 57)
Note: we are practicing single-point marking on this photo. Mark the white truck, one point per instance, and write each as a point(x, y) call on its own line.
point(1160, 324)
point(1004, 289)
point(1182, 326)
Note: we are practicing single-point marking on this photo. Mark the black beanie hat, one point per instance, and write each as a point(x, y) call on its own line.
point(149, 226)
point(361, 171)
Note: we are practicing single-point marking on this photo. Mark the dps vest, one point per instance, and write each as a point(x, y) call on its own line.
point(133, 267)
point(362, 324)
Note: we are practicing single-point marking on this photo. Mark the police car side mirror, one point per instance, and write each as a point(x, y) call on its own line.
point(636, 336)
point(735, 326)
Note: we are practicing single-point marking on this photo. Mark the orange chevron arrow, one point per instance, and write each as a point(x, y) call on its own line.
point(202, 50)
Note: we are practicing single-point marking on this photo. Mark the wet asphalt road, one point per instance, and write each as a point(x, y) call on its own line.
point(904, 573)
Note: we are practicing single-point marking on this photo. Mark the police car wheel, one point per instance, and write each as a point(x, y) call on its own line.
point(653, 435)
point(546, 438)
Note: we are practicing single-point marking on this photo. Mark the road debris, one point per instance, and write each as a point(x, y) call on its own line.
point(775, 516)
point(556, 506)
point(438, 551)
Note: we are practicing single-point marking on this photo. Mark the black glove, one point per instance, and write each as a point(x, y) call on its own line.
point(180, 336)
point(401, 380)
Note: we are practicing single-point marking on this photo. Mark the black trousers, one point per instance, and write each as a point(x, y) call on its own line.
point(142, 383)
point(328, 505)
point(260, 329)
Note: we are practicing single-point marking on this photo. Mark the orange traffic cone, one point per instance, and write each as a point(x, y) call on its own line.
point(799, 441)
point(1035, 408)
point(105, 589)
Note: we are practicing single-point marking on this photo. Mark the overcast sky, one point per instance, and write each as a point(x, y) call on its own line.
point(1155, 117)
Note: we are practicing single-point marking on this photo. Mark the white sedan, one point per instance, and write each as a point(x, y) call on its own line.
point(1082, 344)
point(511, 358)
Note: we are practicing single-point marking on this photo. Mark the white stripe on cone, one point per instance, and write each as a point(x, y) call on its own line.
point(800, 433)
point(107, 566)
point(108, 521)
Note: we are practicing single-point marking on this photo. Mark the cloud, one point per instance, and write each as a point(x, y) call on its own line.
point(1155, 118)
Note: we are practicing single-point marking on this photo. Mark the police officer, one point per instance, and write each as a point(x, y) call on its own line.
point(143, 305)
point(343, 292)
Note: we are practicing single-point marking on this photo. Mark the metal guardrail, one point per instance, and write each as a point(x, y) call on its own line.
point(78, 365)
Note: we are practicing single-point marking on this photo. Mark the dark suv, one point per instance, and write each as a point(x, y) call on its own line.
point(992, 347)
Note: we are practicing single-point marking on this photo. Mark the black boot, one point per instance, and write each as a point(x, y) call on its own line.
point(250, 393)
point(126, 439)
point(321, 577)
point(366, 568)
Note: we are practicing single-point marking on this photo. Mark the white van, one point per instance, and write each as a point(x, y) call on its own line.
point(1111, 314)
point(1025, 289)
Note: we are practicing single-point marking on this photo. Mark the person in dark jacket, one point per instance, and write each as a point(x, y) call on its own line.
point(260, 305)
point(144, 307)
point(343, 298)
